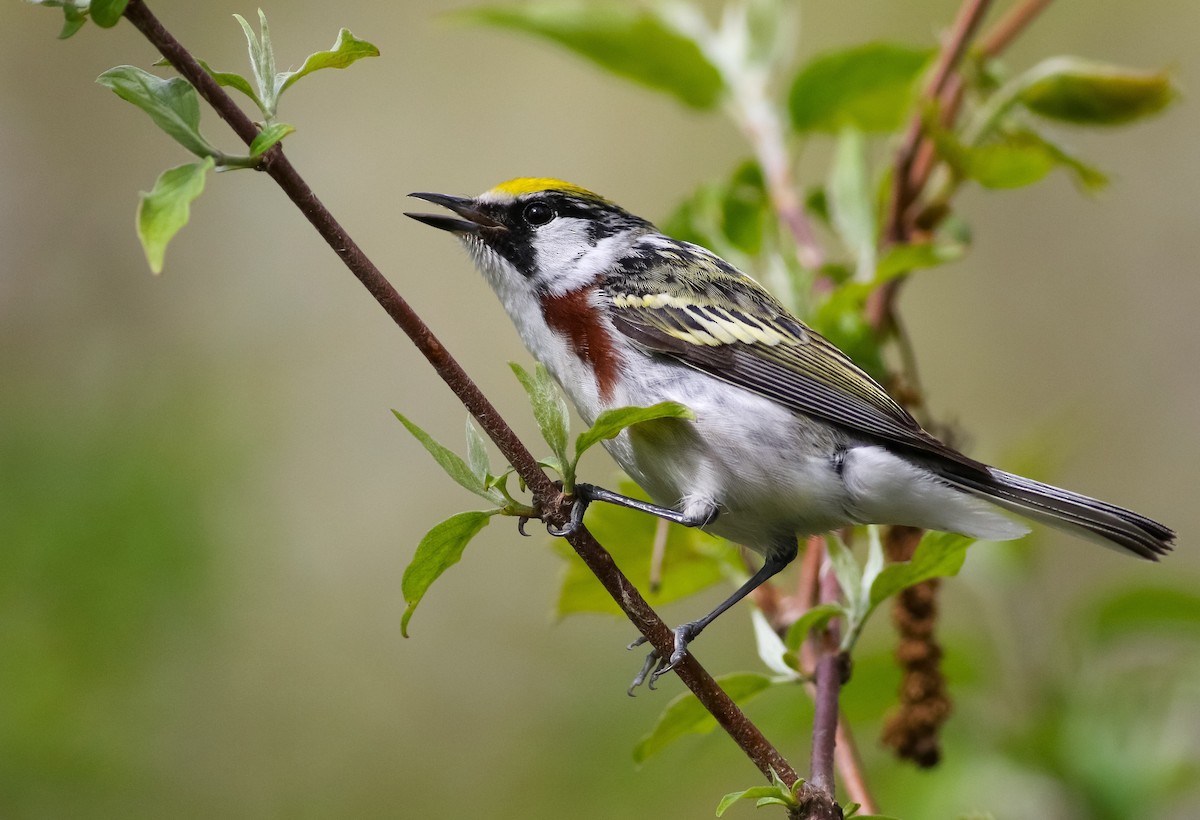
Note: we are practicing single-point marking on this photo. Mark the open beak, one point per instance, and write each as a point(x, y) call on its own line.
point(472, 222)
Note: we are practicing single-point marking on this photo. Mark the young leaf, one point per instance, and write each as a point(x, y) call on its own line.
point(163, 211)
point(685, 716)
point(848, 573)
point(173, 104)
point(1082, 92)
point(229, 79)
point(869, 87)
point(851, 201)
point(262, 60)
point(762, 795)
point(902, 259)
point(439, 550)
point(549, 407)
point(477, 457)
point(346, 49)
point(814, 618)
point(610, 423)
point(939, 554)
point(449, 461)
point(633, 43)
point(107, 13)
point(268, 136)
point(1013, 163)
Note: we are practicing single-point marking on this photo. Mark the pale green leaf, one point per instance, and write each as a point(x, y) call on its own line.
point(166, 208)
point(1012, 163)
point(684, 715)
point(549, 407)
point(107, 13)
point(901, 259)
point(939, 554)
point(477, 457)
point(268, 136)
point(852, 202)
point(440, 549)
point(870, 87)
point(634, 43)
point(1070, 89)
point(173, 104)
point(610, 423)
point(229, 79)
point(449, 461)
point(846, 569)
point(762, 795)
point(346, 49)
point(815, 617)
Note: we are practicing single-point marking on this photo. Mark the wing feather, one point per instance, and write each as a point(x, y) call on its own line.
point(743, 336)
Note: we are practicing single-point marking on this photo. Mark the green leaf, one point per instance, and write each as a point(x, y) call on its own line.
point(745, 208)
point(848, 573)
point(1088, 176)
point(477, 457)
point(685, 716)
point(173, 104)
point(851, 203)
point(815, 617)
point(901, 259)
point(163, 211)
point(692, 561)
point(1069, 89)
point(262, 61)
point(229, 79)
point(107, 13)
point(633, 43)
point(346, 49)
point(268, 136)
point(938, 555)
point(449, 461)
point(610, 423)
point(1013, 163)
point(440, 549)
point(763, 795)
point(869, 87)
point(549, 407)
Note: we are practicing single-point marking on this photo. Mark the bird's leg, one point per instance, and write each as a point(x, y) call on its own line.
point(585, 494)
point(656, 666)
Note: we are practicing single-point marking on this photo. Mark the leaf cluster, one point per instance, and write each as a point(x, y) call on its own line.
point(174, 106)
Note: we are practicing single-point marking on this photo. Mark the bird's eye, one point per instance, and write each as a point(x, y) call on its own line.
point(537, 213)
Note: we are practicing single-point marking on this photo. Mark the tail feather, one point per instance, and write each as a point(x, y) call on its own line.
point(1109, 524)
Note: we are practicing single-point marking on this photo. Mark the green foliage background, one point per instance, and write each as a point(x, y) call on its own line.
point(206, 507)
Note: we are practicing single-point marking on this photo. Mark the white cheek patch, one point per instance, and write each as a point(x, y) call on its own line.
point(565, 260)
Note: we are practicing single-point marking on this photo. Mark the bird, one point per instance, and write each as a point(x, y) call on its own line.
point(790, 438)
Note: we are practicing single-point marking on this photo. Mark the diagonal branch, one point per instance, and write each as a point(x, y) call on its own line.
point(551, 503)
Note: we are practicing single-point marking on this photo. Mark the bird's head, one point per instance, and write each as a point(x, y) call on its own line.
point(541, 235)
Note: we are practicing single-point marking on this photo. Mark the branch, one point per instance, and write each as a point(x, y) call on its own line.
point(553, 507)
point(818, 796)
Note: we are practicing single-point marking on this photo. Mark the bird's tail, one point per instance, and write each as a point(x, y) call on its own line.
point(1108, 524)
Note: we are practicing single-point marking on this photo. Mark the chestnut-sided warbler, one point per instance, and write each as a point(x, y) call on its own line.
point(790, 437)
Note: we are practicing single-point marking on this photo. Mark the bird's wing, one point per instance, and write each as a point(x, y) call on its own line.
point(739, 333)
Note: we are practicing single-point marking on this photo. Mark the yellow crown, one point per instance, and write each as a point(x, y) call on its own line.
point(532, 185)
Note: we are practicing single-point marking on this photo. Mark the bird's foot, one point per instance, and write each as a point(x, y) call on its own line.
point(583, 497)
point(656, 665)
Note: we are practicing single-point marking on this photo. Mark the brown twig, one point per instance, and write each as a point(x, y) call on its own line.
point(818, 796)
point(552, 506)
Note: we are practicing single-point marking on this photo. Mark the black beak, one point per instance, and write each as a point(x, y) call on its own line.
point(473, 220)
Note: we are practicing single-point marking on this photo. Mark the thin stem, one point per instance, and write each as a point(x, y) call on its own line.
point(1010, 26)
point(552, 506)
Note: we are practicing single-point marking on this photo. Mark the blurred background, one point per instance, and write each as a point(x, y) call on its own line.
point(206, 506)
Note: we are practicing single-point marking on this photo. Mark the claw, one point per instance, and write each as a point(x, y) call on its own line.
point(521, 522)
point(578, 508)
point(655, 666)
